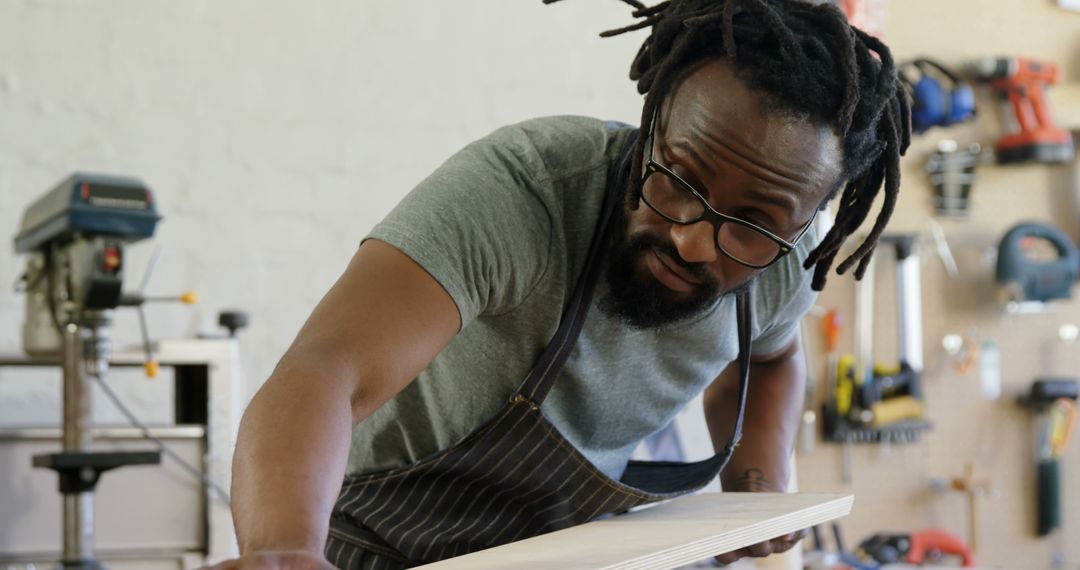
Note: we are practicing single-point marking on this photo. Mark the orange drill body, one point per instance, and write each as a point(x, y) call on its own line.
point(1021, 83)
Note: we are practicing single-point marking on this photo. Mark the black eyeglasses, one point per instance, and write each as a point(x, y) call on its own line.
point(679, 203)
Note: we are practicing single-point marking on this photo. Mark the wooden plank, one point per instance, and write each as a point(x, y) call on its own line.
point(665, 536)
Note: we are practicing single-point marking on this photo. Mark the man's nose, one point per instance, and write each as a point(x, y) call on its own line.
point(695, 242)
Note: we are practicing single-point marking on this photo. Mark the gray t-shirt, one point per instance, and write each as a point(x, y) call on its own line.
point(504, 226)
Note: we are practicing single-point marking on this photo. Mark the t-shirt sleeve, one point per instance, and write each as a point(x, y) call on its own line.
point(477, 226)
point(782, 299)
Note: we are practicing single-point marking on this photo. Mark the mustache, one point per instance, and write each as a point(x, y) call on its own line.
point(644, 243)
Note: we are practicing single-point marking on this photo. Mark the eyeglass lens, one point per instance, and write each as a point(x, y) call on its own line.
point(678, 203)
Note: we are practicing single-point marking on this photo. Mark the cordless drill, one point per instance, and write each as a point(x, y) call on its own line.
point(1032, 137)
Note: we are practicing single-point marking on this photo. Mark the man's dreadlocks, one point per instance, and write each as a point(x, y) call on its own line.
point(806, 60)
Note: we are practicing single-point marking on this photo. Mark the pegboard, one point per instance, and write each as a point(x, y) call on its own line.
point(894, 485)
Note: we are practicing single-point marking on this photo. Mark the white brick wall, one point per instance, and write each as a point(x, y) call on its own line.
point(275, 134)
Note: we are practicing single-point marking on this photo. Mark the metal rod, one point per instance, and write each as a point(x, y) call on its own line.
point(908, 291)
point(846, 460)
point(78, 508)
point(864, 332)
point(78, 526)
point(76, 402)
point(148, 348)
point(150, 269)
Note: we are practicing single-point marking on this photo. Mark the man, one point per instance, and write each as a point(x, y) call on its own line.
point(557, 291)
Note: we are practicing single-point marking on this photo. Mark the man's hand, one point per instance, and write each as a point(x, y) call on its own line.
point(761, 549)
point(279, 560)
point(754, 480)
point(761, 464)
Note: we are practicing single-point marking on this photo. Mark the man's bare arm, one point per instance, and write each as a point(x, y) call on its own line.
point(773, 410)
point(381, 324)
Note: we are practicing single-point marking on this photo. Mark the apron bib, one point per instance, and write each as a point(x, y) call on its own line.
point(515, 476)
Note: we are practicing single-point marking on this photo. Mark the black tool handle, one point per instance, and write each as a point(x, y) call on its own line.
point(1049, 496)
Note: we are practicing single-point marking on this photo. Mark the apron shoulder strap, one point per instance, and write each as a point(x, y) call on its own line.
point(538, 383)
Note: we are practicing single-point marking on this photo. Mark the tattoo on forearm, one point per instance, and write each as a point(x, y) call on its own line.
point(753, 479)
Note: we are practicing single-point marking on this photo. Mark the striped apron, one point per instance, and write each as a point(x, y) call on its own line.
point(515, 476)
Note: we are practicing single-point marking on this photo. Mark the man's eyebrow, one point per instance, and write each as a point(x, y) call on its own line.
point(778, 199)
point(781, 200)
point(689, 149)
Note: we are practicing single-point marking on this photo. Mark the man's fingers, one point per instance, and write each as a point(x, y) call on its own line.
point(782, 545)
point(799, 535)
point(757, 551)
point(785, 543)
point(730, 557)
point(762, 549)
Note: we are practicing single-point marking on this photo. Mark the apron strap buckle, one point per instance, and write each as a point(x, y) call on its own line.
point(520, 398)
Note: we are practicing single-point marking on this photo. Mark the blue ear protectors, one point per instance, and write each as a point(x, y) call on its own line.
point(936, 102)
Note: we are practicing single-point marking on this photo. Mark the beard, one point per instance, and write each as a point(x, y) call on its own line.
point(636, 297)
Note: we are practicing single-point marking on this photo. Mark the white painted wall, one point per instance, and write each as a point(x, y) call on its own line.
point(275, 134)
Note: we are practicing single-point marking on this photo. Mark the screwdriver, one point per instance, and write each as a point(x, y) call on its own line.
point(831, 325)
